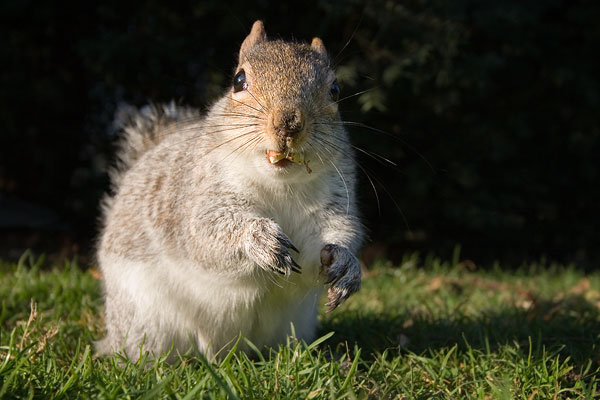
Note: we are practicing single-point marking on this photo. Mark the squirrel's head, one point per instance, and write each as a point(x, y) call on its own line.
point(284, 97)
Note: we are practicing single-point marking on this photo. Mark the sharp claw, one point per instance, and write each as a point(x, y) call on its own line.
point(287, 243)
point(330, 279)
point(336, 297)
point(332, 305)
point(295, 267)
point(291, 246)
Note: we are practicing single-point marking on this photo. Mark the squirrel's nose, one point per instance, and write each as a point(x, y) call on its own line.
point(287, 122)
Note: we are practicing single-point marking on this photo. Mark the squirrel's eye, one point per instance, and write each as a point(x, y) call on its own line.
point(239, 81)
point(335, 90)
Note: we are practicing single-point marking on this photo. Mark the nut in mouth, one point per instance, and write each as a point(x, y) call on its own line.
point(276, 157)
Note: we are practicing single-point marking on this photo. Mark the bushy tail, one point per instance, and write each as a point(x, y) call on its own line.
point(142, 129)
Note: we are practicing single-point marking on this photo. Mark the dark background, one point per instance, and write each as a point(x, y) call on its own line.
point(490, 110)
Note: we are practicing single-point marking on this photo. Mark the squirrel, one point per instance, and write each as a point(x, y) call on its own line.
point(235, 222)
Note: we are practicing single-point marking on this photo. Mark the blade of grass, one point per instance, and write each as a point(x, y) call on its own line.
point(217, 378)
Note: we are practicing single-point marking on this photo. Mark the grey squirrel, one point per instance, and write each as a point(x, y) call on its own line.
point(235, 222)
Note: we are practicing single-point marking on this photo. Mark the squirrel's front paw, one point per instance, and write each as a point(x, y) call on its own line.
point(268, 247)
point(343, 274)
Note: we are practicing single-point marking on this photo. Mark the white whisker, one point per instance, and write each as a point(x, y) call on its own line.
point(345, 186)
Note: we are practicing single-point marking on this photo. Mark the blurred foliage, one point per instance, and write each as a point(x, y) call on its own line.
point(489, 109)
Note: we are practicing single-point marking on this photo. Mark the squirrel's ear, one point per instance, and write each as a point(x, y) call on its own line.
point(318, 46)
point(257, 35)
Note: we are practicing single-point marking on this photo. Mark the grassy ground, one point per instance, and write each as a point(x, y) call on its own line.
point(424, 329)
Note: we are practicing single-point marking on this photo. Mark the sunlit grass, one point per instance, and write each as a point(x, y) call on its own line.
point(424, 329)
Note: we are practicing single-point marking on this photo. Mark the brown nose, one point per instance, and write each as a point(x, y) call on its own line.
point(287, 122)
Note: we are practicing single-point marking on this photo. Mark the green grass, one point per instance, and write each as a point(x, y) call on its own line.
point(424, 329)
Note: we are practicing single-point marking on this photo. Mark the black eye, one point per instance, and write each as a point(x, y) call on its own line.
point(335, 90)
point(239, 81)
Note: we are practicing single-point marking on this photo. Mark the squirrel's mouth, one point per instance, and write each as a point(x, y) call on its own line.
point(275, 157)
point(283, 159)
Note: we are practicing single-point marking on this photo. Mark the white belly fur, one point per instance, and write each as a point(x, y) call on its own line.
point(186, 302)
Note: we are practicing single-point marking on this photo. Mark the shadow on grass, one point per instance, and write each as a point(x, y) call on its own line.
point(571, 325)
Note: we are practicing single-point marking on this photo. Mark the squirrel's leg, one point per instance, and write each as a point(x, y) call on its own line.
point(122, 333)
point(232, 228)
point(338, 262)
point(131, 329)
point(343, 274)
point(269, 247)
